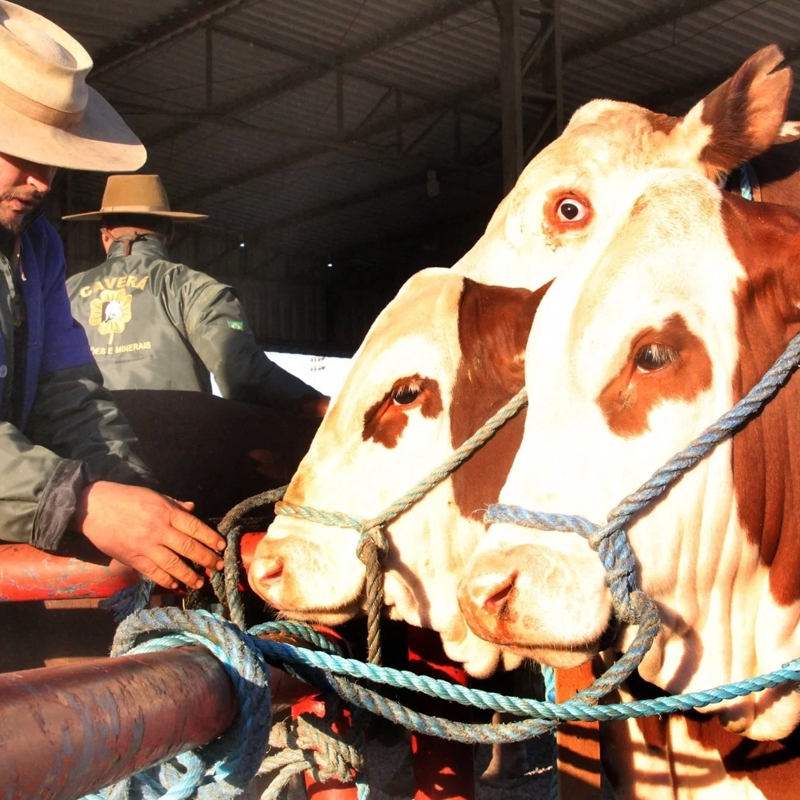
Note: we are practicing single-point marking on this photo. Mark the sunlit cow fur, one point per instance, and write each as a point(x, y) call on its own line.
point(524, 244)
point(439, 361)
point(628, 360)
point(606, 145)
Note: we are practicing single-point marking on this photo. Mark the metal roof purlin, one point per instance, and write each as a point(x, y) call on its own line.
point(706, 83)
point(641, 24)
point(181, 23)
point(312, 72)
point(331, 65)
point(475, 92)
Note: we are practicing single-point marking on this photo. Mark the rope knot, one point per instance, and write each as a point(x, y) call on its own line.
point(372, 544)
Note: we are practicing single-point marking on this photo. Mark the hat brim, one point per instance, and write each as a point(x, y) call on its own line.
point(100, 142)
point(176, 216)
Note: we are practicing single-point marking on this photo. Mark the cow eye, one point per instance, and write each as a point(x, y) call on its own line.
point(406, 395)
point(653, 357)
point(570, 209)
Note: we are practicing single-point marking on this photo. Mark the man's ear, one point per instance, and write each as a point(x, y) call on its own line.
point(106, 238)
point(744, 116)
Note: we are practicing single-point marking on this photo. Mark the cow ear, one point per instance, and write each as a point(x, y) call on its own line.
point(746, 114)
point(493, 327)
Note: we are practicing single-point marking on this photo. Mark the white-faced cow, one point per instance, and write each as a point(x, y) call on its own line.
point(534, 234)
point(568, 200)
point(628, 360)
point(439, 360)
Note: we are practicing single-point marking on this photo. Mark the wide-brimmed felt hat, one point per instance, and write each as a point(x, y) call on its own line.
point(48, 114)
point(136, 194)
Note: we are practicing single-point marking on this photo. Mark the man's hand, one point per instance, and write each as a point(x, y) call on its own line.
point(147, 531)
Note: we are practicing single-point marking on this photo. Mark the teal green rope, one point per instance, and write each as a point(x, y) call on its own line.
point(372, 544)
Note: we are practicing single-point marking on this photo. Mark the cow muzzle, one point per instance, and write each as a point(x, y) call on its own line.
point(535, 602)
point(310, 579)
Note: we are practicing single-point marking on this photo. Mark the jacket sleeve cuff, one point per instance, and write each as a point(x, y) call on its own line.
point(57, 504)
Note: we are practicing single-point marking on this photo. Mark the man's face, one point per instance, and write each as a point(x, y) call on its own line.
point(23, 186)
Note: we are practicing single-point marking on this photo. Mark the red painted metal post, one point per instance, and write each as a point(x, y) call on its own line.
point(315, 704)
point(30, 574)
point(577, 743)
point(247, 547)
point(70, 730)
point(442, 769)
point(334, 789)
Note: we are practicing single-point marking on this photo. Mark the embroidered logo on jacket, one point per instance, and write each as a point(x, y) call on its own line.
point(110, 312)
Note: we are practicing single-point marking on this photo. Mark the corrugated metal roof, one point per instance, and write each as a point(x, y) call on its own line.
point(294, 179)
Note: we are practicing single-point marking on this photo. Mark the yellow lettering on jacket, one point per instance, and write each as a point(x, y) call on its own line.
point(124, 282)
point(129, 348)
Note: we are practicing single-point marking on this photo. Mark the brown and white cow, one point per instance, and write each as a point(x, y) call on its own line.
point(443, 356)
point(570, 197)
point(628, 360)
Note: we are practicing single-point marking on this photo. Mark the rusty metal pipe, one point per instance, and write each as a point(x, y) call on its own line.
point(70, 730)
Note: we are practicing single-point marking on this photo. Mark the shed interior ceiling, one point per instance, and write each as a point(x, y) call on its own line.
point(236, 100)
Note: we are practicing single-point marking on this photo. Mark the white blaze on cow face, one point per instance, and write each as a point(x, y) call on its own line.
point(439, 360)
point(628, 361)
point(568, 200)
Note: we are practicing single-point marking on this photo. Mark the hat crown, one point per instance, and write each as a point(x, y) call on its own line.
point(141, 192)
point(41, 65)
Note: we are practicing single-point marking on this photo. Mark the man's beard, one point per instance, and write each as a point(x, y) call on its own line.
point(12, 229)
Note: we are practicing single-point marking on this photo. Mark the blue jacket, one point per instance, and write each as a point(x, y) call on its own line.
point(60, 429)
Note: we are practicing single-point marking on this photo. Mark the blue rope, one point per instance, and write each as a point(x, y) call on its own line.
point(611, 540)
point(745, 186)
point(327, 670)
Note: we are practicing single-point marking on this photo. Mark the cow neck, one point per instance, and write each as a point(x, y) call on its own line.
point(493, 327)
point(765, 453)
point(771, 766)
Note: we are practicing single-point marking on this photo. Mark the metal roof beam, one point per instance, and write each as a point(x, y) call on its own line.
point(296, 79)
point(707, 83)
point(329, 63)
point(471, 94)
point(180, 23)
point(637, 26)
point(300, 156)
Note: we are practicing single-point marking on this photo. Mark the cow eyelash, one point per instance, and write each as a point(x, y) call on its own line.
point(653, 357)
point(406, 394)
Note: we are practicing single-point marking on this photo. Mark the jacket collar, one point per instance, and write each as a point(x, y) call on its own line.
point(146, 245)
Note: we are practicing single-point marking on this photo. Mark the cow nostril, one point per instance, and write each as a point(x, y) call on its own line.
point(268, 570)
point(496, 598)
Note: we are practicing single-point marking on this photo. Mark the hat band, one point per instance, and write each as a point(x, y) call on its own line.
point(36, 110)
point(134, 209)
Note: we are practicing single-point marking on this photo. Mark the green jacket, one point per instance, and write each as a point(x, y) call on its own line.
point(59, 428)
point(154, 324)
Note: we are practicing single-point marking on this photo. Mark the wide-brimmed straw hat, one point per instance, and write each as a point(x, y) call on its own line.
point(136, 194)
point(48, 114)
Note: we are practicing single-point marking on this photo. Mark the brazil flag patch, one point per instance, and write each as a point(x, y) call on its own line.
point(236, 324)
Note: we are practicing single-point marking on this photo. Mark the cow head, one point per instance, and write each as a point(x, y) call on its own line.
point(438, 362)
point(630, 359)
point(564, 207)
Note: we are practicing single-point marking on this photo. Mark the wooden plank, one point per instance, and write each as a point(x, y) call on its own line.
point(577, 743)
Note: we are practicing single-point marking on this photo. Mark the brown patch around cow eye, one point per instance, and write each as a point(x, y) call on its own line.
point(567, 210)
point(667, 364)
point(385, 421)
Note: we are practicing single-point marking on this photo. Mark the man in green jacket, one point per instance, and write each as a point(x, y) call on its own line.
point(69, 466)
point(155, 324)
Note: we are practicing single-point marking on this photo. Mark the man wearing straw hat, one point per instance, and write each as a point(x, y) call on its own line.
point(68, 459)
point(155, 324)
